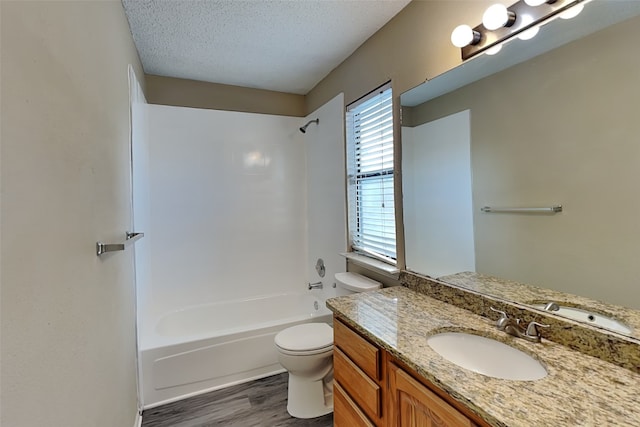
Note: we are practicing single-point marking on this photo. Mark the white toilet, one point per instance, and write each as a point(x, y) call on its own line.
point(306, 351)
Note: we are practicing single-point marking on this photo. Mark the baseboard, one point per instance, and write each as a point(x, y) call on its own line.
point(214, 388)
point(138, 422)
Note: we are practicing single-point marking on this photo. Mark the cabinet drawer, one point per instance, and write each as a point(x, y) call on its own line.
point(361, 351)
point(357, 384)
point(345, 412)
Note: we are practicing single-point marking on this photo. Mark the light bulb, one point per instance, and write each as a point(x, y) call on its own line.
point(497, 16)
point(572, 12)
point(535, 3)
point(463, 36)
point(531, 32)
point(493, 50)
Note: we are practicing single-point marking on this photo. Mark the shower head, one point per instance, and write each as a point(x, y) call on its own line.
point(303, 129)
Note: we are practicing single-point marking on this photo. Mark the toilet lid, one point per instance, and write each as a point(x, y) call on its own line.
point(355, 282)
point(305, 337)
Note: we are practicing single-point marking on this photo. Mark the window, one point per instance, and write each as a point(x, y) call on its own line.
point(372, 227)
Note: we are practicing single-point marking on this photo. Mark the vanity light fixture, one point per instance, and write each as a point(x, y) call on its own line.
point(573, 12)
point(494, 50)
point(501, 23)
point(498, 16)
point(535, 3)
point(531, 32)
point(463, 36)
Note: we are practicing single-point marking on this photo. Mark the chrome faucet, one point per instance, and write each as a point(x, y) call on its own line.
point(317, 285)
point(515, 327)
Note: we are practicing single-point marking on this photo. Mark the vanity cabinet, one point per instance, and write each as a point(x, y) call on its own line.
point(373, 389)
point(346, 412)
point(411, 404)
point(358, 374)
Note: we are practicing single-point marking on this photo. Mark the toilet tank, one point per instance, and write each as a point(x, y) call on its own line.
point(351, 283)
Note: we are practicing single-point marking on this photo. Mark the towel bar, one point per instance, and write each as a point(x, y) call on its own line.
point(550, 209)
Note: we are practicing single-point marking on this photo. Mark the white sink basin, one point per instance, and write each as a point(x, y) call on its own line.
point(586, 316)
point(486, 356)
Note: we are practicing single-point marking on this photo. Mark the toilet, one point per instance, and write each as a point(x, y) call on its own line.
point(306, 351)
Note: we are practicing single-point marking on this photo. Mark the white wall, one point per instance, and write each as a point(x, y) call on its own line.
point(326, 199)
point(438, 218)
point(227, 206)
point(68, 343)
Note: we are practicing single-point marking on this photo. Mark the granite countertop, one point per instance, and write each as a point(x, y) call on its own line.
point(579, 390)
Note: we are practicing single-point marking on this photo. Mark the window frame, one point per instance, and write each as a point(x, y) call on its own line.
point(386, 248)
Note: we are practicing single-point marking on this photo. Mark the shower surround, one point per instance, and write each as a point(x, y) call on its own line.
point(222, 199)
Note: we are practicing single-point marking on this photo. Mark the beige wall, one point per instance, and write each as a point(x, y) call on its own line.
point(68, 324)
point(560, 128)
point(413, 47)
point(195, 94)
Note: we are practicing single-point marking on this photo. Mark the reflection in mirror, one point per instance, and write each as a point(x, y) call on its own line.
point(561, 128)
point(615, 318)
point(587, 315)
point(436, 173)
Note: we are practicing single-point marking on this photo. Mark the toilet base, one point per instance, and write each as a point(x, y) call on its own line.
point(309, 399)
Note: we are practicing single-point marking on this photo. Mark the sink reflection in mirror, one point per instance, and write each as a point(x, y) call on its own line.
point(558, 127)
point(486, 356)
point(628, 320)
point(584, 315)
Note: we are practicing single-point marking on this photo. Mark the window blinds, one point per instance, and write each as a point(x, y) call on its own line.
point(370, 171)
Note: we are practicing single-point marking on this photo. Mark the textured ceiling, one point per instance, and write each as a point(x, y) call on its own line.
point(286, 46)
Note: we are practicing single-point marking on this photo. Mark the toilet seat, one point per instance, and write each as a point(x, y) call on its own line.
point(305, 339)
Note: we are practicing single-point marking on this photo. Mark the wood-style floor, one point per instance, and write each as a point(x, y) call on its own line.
point(260, 403)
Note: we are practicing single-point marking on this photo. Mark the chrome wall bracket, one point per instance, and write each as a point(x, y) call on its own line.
point(130, 238)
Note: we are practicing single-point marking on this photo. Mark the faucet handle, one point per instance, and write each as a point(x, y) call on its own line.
point(499, 311)
point(532, 329)
point(502, 322)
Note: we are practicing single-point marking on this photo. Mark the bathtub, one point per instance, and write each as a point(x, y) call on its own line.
point(207, 347)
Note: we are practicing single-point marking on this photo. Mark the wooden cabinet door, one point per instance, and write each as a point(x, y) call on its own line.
point(412, 404)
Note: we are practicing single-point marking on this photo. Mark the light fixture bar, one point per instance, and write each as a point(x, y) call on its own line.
point(538, 14)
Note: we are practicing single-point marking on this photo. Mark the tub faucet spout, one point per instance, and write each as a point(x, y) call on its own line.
point(317, 285)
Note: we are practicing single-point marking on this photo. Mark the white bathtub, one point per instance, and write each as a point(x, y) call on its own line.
point(206, 347)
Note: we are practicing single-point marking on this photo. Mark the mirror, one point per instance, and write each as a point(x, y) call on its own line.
point(550, 121)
